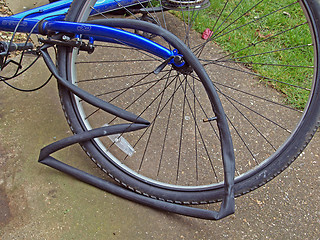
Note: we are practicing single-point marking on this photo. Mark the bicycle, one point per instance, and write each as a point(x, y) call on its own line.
point(175, 130)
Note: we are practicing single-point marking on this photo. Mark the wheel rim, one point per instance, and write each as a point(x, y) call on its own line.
point(163, 101)
point(243, 173)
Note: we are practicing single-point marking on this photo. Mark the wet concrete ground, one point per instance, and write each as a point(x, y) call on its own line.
point(37, 202)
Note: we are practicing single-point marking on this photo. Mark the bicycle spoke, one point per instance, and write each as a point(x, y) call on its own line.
point(171, 97)
point(118, 61)
point(113, 77)
point(195, 129)
point(157, 112)
point(243, 141)
point(253, 111)
point(224, 21)
point(261, 76)
point(267, 64)
point(125, 47)
point(260, 54)
point(257, 97)
point(166, 131)
point(216, 36)
point(125, 90)
point(261, 41)
point(200, 134)
point(128, 88)
point(176, 104)
point(141, 113)
point(230, 99)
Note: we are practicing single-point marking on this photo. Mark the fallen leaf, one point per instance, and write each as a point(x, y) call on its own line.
point(261, 35)
point(286, 13)
point(207, 34)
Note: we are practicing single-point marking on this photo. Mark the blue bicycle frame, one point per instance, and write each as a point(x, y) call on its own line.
point(48, 18)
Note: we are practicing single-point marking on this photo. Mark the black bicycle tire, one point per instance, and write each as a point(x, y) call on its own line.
point(243, 184)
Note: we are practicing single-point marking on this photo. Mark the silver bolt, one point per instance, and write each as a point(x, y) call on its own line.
point(65, 38)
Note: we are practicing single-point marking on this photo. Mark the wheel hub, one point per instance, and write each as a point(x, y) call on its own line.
point(181, 66)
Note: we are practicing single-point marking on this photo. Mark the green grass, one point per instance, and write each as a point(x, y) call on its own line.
point(263, 32)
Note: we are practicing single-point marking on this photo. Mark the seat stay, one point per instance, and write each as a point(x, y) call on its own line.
point(57, 10)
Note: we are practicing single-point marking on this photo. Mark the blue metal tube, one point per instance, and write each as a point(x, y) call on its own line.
point(111, 5)
point(103, 33)
point(58, 15)
point(46, 9)
point(98, 32)
point(62, 7)
point(9, 24)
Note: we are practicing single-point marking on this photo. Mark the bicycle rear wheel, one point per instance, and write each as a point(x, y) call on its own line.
point(178, 157)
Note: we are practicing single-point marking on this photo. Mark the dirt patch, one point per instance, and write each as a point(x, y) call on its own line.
point(13, 201)
point(5, 214)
